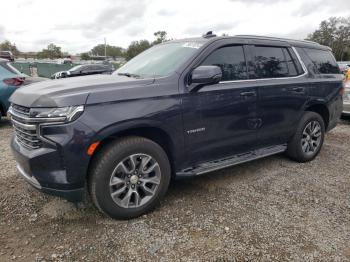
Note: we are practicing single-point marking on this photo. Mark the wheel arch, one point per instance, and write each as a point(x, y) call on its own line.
point(322, 110)
point(143, 129)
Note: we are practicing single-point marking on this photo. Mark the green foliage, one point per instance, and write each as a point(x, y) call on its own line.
point(335, 33)
point(85, 56)
point(136, 47)
point(52, 51)
point(7, 46)
point(113, 51)
point(161, 37)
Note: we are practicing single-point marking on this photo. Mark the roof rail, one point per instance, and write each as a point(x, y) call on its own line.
point(209, 34)
point(278, 38)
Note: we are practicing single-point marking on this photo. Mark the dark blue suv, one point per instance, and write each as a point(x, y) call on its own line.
point(181, 108)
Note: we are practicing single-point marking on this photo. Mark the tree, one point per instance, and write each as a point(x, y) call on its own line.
point(161, 37)
point(335, 33)
point(7, 46)
point(52, 51)
point(113, 51)
point(136, 47)
point(85, 56)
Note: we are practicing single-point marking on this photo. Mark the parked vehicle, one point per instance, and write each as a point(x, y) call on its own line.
point(182, 108)
point(82, 70)
point(346, 104)
point(7, 55)
point(344, 66)
point(10, 80)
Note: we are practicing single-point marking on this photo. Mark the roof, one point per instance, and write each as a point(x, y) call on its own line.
point(293, 42)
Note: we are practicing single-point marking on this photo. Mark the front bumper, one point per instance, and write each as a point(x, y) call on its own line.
point(74, 195)
point(60, 165)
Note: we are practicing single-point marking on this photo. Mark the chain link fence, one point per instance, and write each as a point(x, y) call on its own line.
point(41, 69)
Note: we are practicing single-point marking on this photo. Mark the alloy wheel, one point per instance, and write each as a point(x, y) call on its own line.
point(311, 138)
point(135, 180)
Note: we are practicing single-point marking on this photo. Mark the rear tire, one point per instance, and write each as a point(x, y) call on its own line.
point(308, 138)
point(129, 177)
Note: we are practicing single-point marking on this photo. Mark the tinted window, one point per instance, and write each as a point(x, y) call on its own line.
point(231, 61)
point(87, 68)
point(97, 67)
point(323, 60)
point(273, 62)
point(291, 63)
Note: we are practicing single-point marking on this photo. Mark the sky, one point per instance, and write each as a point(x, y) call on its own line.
point(79, 25)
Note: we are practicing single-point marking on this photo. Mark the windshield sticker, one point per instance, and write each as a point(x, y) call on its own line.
point(195, 45)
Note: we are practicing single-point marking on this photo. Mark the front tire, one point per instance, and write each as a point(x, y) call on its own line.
point(308, 138)
point(129, 177)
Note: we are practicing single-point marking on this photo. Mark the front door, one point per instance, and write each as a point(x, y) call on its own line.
point(220, 120)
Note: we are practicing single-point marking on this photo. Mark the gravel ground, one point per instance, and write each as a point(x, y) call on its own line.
point(271, 209)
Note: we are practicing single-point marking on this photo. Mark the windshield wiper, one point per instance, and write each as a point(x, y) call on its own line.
point(129, 75)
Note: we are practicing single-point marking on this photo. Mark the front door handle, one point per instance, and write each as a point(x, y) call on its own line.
point(248, 94)
point(298, 89)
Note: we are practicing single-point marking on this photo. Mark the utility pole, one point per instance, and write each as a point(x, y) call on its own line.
point(105, 49)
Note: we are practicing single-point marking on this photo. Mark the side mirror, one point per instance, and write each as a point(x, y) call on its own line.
point(205, 75)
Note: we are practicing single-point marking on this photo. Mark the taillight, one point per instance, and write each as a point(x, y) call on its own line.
point(16, 81)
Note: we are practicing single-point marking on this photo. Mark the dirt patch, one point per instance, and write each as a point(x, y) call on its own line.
point(272, 209)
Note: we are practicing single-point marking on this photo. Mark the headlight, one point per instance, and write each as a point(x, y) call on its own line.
point(59, 114)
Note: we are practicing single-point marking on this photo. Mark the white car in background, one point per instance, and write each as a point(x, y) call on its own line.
point(346, 97)
point(83, 70)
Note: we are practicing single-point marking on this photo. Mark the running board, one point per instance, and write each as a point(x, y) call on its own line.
point(231, 161)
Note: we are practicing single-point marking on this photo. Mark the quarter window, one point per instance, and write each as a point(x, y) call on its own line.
point(323, 61)
point(231, 60)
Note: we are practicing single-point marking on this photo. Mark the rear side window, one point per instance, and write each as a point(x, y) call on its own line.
point(323, 61)
point(97, 67)
point(9, 68)
point(231, 60)
point(274, 62)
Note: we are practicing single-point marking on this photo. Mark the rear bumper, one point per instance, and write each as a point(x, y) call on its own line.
point(335, 110)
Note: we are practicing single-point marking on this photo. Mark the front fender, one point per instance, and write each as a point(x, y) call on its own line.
point(124, 126)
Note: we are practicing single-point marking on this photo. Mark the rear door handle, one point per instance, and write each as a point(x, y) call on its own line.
point(248, 94)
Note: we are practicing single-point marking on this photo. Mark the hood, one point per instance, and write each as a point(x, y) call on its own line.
point(33, 79)
point(71, 91)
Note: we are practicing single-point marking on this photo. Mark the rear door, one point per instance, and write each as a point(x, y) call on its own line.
point(282, 91)
point(220, 119)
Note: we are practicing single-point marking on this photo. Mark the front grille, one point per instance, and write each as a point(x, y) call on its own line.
point(26, 133)
point(21, 109)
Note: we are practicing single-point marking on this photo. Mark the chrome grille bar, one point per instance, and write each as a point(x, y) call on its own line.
point(25, 130)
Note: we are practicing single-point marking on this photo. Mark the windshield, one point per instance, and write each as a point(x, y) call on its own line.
point(160, 60)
